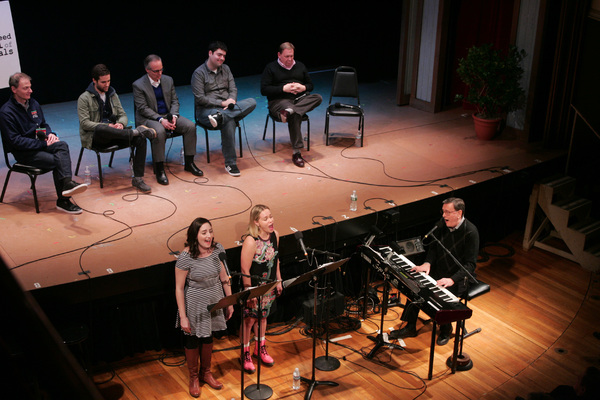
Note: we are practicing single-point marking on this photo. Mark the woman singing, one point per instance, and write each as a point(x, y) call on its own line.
point(200, 280)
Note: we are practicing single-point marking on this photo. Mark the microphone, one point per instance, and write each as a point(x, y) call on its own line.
point(223, 258)
point(169, 117)
point(298, 236)
point(437, 225)
point(112, 119)
point(230, 106)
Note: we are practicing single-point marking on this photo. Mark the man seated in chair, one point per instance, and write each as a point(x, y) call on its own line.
point(287, 85)
point(157, 106)
point(215, 101)
point(29, 138)
point(461, 238)
point(103, 123)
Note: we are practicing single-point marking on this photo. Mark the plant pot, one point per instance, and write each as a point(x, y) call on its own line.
point(486, 129)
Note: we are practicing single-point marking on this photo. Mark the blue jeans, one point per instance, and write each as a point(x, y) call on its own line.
point(228, 125)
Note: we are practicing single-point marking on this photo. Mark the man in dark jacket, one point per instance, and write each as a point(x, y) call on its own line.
point(461, 238)
point(103, 122)
point(30, 139)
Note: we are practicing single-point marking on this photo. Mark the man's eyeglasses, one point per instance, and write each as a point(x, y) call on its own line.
point(447, 212)
point(156, 71)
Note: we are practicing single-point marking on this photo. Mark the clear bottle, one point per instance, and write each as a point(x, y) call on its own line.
point(182, 157)
point(296, 379)
point(87, 176)
point(353, 201)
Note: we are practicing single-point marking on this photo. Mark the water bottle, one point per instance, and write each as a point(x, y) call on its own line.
point(182, 157)
point(296, 381)
point(87, 176)
point(353, 201)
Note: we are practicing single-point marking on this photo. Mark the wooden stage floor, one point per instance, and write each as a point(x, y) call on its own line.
point(539, 329)
point(408, 156)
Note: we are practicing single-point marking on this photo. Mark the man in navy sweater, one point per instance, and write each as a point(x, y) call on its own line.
point(27, 135)
point(287, 85)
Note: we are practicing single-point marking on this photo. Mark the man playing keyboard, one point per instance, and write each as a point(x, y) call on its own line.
point(461, 238)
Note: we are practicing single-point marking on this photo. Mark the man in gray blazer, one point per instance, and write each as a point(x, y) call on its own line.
point(157, 106)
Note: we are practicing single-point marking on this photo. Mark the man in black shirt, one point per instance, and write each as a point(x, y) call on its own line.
point(287, 85)
point(461, 238)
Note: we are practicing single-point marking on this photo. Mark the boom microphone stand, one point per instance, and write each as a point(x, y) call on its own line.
point(241, 298)
point(314, 275)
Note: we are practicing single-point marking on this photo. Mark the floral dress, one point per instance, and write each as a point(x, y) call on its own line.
point(264, 264)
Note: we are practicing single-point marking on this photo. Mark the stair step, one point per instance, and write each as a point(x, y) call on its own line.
point(588, 233)
point(571, 210)
point(560, 186)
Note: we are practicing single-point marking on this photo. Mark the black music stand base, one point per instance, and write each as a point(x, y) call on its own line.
point(463, 362)
point(327, 363)
point(258, 392)
point(312, 383)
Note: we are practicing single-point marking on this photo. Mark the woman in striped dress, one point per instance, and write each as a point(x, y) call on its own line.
point(259, 257)
point(200, 280)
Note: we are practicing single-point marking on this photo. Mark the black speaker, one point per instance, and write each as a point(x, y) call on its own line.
point(336, 303)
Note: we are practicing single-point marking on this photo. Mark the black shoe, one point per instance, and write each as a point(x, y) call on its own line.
point(191, 167)
point(233, 170)
point(138, 182)
point(407, 331)
point(159, 170)
point(298, 160)
point(445, 335)
point(215, 119)
point(71, 188)
point(65, 205)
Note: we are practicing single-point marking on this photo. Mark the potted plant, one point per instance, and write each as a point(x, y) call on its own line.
point(493, 81)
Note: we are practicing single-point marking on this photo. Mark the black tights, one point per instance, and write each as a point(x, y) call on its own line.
point(194, 342)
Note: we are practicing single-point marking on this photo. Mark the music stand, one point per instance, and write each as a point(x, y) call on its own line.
point(314, 275)
point(259, 391)
point(379, 339)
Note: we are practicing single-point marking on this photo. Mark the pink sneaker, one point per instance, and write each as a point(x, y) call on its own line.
point(265, 358)
point(247, 363)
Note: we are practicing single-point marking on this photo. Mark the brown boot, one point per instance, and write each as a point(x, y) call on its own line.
point(191, 356)
point(205, 374)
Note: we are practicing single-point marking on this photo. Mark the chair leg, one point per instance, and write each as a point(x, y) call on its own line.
point(79, 161)
point(207, 146)
point(35, 199)
point(327, 129)
point(308, 135)
point(100, 170)
point(112, 155)
point(266, 125)
point(240, 135)
point(274, 123)
point(5, 185)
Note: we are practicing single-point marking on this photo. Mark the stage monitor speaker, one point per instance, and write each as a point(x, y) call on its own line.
point(411, 246)
point(336, 303)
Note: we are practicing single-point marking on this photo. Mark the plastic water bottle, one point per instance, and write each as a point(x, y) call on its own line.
point(87, 176)
point(296, 381)
point(353, 201)
point(182, 157)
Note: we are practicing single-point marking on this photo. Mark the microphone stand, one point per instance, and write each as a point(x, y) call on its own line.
point(326, 363)
point(241, 298)
point(466, 363)
point(313, 275)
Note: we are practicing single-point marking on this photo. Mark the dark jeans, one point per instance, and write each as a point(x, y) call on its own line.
point(105, 135)
point(55, 157)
